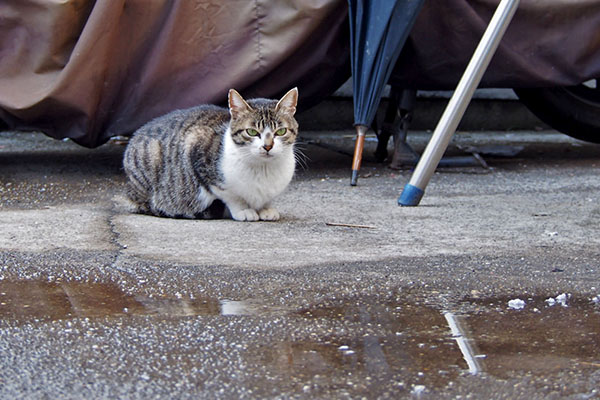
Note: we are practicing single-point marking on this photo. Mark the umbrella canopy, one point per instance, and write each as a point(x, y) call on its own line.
point(378, 30)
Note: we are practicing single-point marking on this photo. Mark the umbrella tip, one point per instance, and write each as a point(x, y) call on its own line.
point(354, 177)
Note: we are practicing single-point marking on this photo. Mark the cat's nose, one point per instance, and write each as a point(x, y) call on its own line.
point(268, 146)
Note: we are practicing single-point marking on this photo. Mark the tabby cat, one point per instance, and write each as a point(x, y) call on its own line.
point(213, 162)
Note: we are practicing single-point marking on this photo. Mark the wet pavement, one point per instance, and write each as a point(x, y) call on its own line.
point(489, 289)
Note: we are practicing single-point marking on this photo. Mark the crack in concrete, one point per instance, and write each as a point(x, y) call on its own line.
point(115, 235)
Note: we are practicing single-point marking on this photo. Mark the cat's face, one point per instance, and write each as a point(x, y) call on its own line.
point(264, 129)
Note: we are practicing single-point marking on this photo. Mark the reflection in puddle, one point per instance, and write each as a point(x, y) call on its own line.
point(405, 342)
point(541, 337)
point(420, 347)
point(233, 307)
point(465, 344)
point(413, 344)
point(29, 300)
point(24, 301)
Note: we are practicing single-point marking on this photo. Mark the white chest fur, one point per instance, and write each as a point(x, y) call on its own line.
point(253, 178)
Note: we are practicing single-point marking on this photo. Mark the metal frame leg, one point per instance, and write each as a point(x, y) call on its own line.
point(398, 117)
point(414, 190)
point(388, 128)
point(403, 153)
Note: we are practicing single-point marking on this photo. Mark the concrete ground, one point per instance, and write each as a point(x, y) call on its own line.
point(348, 296)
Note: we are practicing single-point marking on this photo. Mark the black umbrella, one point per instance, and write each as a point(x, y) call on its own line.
point(378, 30)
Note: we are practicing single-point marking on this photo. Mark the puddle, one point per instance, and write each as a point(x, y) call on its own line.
point(419, 346)
point(412, 344)
point(542, 336)
point(406, 343)
point(25, 301)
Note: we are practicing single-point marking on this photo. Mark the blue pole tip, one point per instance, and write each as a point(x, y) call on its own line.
point(411, 196)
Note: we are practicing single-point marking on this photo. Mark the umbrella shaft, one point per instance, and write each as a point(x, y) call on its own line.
point(361, 131)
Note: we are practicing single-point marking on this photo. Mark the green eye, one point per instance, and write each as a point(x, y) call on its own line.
point(252, 132)
point(281, 132)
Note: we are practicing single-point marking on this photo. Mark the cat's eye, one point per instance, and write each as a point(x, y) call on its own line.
point(252, 132)
point(281, 132)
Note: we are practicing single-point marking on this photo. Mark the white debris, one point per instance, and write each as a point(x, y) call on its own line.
point(417, 389)
point(516, 304)
point(596, 299)
point(343, 347)
point(561, 299)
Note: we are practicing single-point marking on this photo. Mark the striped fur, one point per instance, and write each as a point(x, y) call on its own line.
point(210, 162)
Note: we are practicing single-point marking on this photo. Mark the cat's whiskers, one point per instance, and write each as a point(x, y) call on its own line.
point(300, 157)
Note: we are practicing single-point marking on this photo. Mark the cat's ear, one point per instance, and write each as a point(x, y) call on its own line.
point(237, 104)
point(288, 102)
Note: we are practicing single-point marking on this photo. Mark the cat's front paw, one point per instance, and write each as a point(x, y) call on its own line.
point(247, 214)
point(268, 214)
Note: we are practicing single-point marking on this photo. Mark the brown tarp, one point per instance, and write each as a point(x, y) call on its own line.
point(549, 43)
point(89, 70)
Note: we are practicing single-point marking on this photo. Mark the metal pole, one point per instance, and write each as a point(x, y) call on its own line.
point(414, 190)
